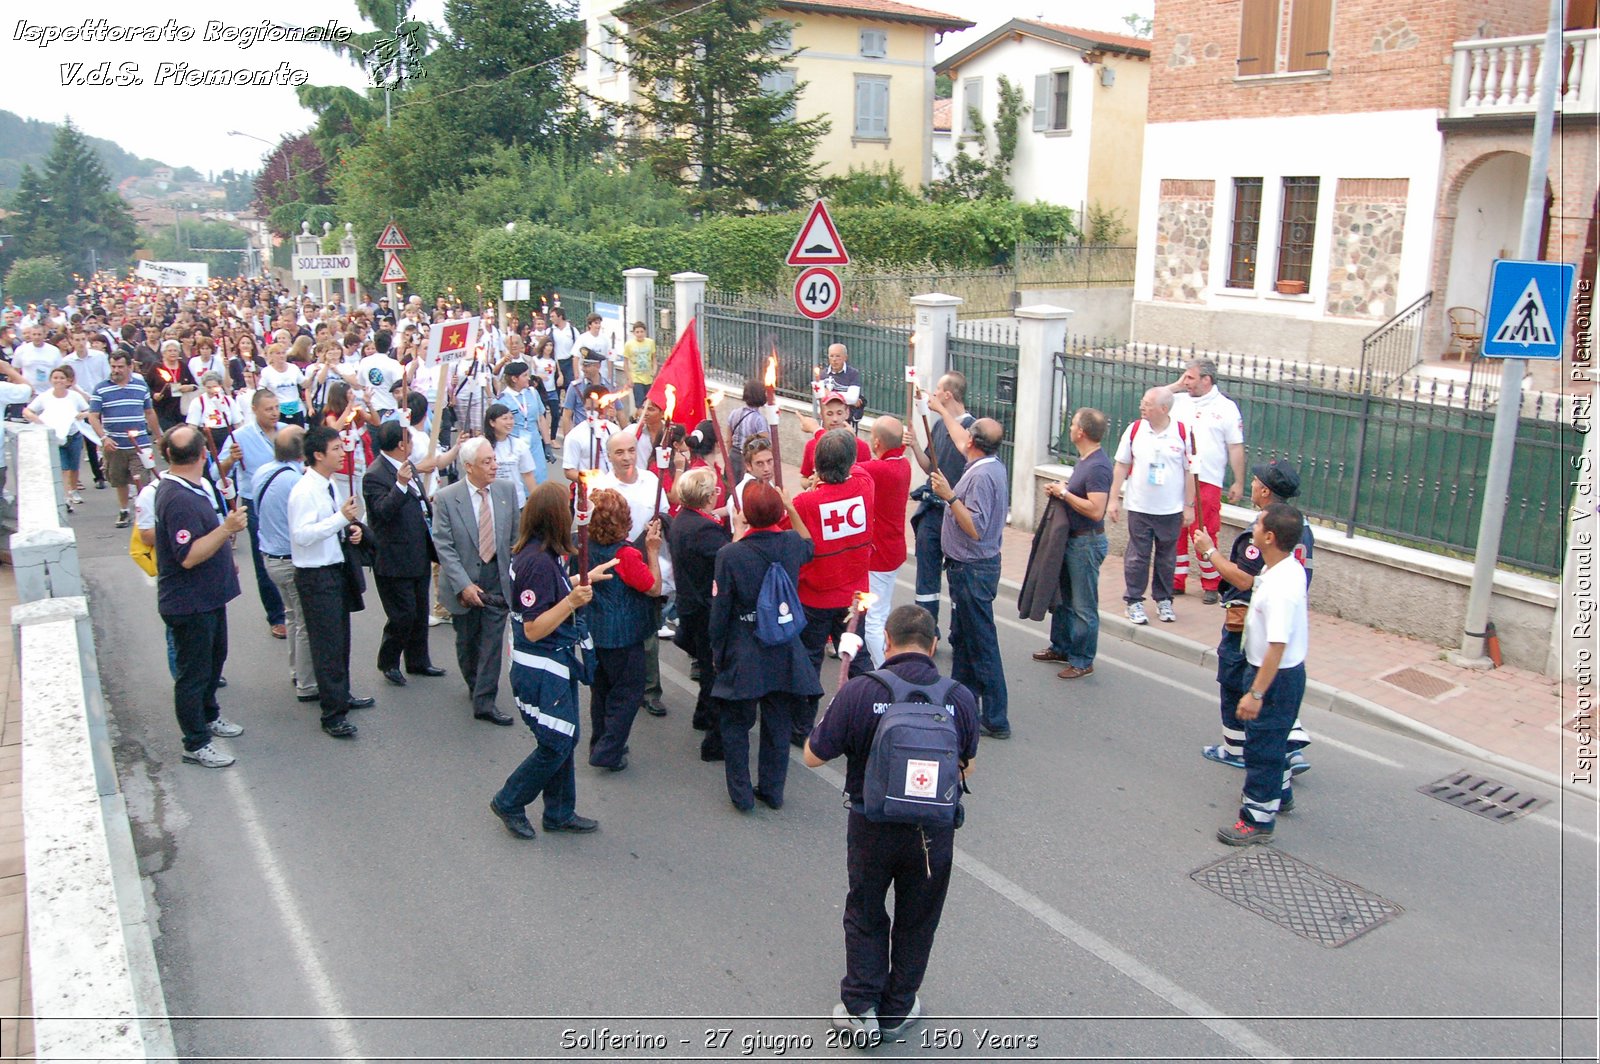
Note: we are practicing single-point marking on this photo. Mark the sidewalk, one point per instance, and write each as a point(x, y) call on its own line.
point(1395, 681)
point(16, 998)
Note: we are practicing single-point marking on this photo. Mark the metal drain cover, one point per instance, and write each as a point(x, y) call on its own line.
point(1422, 684)
point(1489, 798)
point(1292, 894)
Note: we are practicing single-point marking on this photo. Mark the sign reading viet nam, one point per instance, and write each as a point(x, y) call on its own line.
point(818, 243)
point(323, 267)
point(175, 274)
point(1528, 306)
point(450, 340)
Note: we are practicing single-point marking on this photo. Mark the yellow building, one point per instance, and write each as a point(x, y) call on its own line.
point(867, 67)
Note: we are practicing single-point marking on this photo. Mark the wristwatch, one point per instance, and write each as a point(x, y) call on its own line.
point(1207, 555)
point(1259, 696)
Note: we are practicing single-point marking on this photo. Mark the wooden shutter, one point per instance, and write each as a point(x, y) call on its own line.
point(971, 100)
point(872, 107)
point(1041, 102)
point(1258, 37)
point(1310, 31)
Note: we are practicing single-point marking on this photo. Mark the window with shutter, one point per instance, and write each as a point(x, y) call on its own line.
point(783, 40)
point(1061, 97)
point(1258, 37)
point(777, 82)
point(1246, 232)
point(872, 107)
point(1310, 28)
point(971, 100)
point(1041, 102)
point(608, 49)
point(1297, 229)
point(874, 44)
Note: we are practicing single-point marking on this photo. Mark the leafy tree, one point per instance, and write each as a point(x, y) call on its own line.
point(711, 116)
point(342, 116)
point(986, 175)
point(1139, 25)
point(944, 87)
point(292, 173)
point(33, 279)
point(69, 208)
point(162, 244)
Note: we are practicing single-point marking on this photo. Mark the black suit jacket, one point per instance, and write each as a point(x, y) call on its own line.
point(399, 520)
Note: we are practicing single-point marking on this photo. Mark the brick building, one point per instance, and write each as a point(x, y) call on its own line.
point(1307, 177)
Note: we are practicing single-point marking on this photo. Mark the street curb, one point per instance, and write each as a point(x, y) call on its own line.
point(1320, 695)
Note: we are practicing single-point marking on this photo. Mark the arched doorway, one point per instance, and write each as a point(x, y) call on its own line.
point(1488, 225)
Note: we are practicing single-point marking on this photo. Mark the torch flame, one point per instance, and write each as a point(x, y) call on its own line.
point(864, 600)
point(672, 402)
point(589, 477)
point(611, 398)
point(771, 379)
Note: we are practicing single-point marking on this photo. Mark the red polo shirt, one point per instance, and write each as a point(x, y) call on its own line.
point(808, 463)
point(839, 517)
point(891, 488)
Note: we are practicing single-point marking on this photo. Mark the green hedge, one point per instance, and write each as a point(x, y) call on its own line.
point(737, 253)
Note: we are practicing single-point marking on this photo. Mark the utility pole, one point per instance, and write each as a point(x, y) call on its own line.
point(1498, 479)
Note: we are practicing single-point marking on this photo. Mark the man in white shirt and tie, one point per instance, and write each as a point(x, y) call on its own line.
point(318, 526)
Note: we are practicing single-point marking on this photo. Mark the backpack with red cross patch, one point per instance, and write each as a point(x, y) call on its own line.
point(913, 773)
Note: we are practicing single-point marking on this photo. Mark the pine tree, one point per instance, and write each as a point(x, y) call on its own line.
point(69, 208)
point(711, 113)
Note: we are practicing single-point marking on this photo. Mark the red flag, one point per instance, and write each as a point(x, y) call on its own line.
point(687, 377)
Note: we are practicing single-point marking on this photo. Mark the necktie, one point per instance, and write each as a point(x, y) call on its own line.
point(334, 499)
point(485, 526)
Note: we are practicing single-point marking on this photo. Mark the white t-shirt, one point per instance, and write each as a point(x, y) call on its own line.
point(1159, 464)
point(545, 370)
point(35, 361)
point(285, 385)
point(1214, 423)
point(565, 337)
point(641, 496)
point(380, 373)
point(60, 413)
point(419, 452)
point(1278, 614)
point(199, 367)
point(216, 412)
point(578, 452)
point(144, 505)
point(514, 459)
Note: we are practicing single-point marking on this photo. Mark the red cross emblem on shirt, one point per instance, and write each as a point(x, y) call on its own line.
point(921, 779)
point(834, 521)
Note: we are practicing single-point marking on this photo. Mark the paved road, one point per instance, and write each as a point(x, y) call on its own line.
point(356, 899)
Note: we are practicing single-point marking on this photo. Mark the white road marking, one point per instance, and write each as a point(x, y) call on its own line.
point(1229, 1029)
point(300, 937)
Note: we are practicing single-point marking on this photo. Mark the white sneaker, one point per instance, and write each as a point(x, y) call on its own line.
point(1164, 611)
point(666, 632)
point(1136, 613)
point(75, 498)
point(225, 728)
point(911, 1017)
point(208, 756)
point(862, 1030)
point(434, 620)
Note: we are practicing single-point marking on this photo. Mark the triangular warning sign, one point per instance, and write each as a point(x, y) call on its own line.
point(1527, 322)
point(393, 239)
point(818, 243)
point(393, 272)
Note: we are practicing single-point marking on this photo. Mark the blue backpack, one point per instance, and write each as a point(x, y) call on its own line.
point(913, 773)
point(779, 615)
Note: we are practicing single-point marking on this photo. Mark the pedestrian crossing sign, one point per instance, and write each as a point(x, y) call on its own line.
point(1528, 306)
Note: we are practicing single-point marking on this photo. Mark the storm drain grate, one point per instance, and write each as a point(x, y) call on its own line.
point(1489, 798)
point(1422, 684)
point(1293, 894)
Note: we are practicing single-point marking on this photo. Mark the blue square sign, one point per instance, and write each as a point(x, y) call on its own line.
point(1528, 307)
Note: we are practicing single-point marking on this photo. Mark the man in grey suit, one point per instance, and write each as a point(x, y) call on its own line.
point(475, 567)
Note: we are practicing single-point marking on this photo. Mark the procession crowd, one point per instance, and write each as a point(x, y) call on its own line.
point(540, 488)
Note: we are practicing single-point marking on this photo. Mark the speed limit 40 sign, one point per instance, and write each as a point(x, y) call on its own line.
point(817, 293)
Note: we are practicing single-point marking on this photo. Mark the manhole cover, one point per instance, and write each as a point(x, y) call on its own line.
point(1422, 684)
point(1489, 798)
point(1293, 894)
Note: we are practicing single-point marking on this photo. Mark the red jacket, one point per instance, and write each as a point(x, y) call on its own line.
point(839, 517)
point(808, 464)
point(891, 486)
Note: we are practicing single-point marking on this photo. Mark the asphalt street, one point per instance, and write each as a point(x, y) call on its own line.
point(356, 899)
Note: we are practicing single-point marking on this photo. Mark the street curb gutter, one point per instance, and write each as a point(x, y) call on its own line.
point(1325, 696)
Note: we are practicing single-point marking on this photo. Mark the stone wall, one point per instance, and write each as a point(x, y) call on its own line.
point(1369, 217)
point(1183, 240)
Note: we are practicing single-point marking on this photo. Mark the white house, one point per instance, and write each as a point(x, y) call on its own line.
point(1081, 141)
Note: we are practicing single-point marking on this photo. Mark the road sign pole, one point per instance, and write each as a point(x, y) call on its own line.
point(1498, 479)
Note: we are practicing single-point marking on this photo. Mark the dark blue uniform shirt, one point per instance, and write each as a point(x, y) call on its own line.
point(184, 513)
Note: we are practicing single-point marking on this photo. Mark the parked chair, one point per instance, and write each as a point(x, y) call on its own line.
point(1466, 333)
